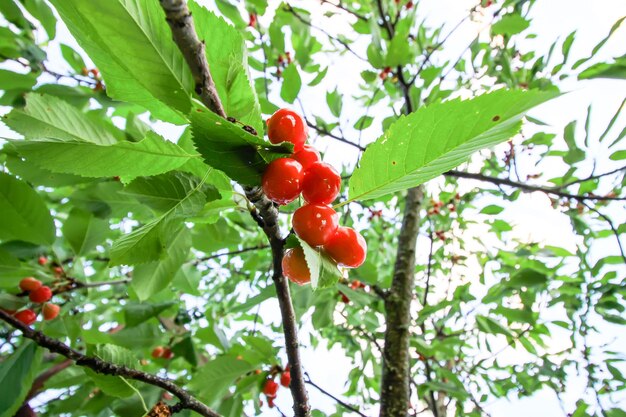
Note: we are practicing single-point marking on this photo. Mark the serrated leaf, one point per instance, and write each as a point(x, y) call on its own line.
point(84, 231)
point(131, 44)
point(228, 148)
point(17, 373)
point(113, 385)
point(213, 379)
point(227, 57)
point(437, 138)
point(24, 214)
point(324, 271)
point(49, 117)
point(151, 278)
point(151, 156)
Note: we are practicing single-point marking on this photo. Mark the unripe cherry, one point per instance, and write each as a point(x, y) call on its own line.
point(41, 294)
point(287, 126)
point(27, 316)
point(307, 156)
point(30, 284)
point(347, 247)
point(50, 311)
point(315, 224)
point(282, 180)
point(270, 388)
point(321, 183)
point(295, 268)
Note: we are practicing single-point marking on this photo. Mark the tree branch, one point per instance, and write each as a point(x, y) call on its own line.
point(338, 400)
point(331, 135)
point(340, 6)
point(184, 32)
point(265, 214)
point(187, 401)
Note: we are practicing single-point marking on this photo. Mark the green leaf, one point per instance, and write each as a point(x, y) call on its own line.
point(492, 209)
point(213, 379)
point(17, 373)
point(151, 156)
point(24, 213)
point(510, 24)
point(319, 77)
point(48, 117)
point(73, 58)
point(291, 84)
point(135, 314)
point(227, 147)
point(131, 44)
point(151, 278)
point(40, 10)
point(600, 44)
point(614, 70)
point(84, 231)
point(489, 325)
point(227, 57)
point(10, 80)
point(618, 155)
point(113, 385)
point(324, 271)
point(437, 138)
point(334, 101)
point(150, 242)
point(528, 278)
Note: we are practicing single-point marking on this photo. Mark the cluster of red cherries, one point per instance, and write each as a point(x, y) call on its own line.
point(38, 294)
point(161, 352)
point(315, 222)
point(270, 387)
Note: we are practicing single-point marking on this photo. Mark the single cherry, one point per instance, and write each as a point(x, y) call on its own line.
point(282, 180)
point(42, 260)
point(157, 352)
point(315, 223)
point(167, 353)
point(50, 311)
point(27, 317)
point(287, 126)
point(321, 184)
point(307, 156)
point(285, 379)
point(30, 284)
point(347, 247)
point(41, 294)
point(270, 388)
point(295, 267)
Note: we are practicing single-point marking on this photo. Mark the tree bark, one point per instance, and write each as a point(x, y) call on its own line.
point(395, 390)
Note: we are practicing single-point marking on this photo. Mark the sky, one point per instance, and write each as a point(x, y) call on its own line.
point(531, 216)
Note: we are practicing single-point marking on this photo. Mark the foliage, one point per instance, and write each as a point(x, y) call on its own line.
point(130, 190)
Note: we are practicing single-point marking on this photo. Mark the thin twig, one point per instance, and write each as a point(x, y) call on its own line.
point(328, 394)
point(612, 226)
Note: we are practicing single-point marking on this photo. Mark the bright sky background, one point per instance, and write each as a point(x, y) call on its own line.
point(531, 215)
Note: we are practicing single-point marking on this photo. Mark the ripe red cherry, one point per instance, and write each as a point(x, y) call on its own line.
point(287, 126)
point(321, 184)
point(315, 224)
point(167, 353)
point(157, 352)
point(282, 180)
point(27, 317)
point(285, 379)
point(270, 388)
point(307, 156)
point(295, 267)
point(50, 311)
point(347, 247)
point(29, 284)
point(41, 294)
point(42, 260)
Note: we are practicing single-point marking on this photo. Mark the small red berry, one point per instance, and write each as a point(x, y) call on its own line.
point(50, 311)
point(282, 180)
point(321, 184)
point(287, 126)
point(315, 224)
point(167, 353)
point(270, 388)
point(344, 298)
point(347, 247)
point(42, 260)
point(307, 156)
point(409, 5)
point(295, 268)
point(30, 284)
point(157, 352)
point(285, 379)
point(27, 317)
point(58, 271)
point(41, 294)
point(252, 21)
